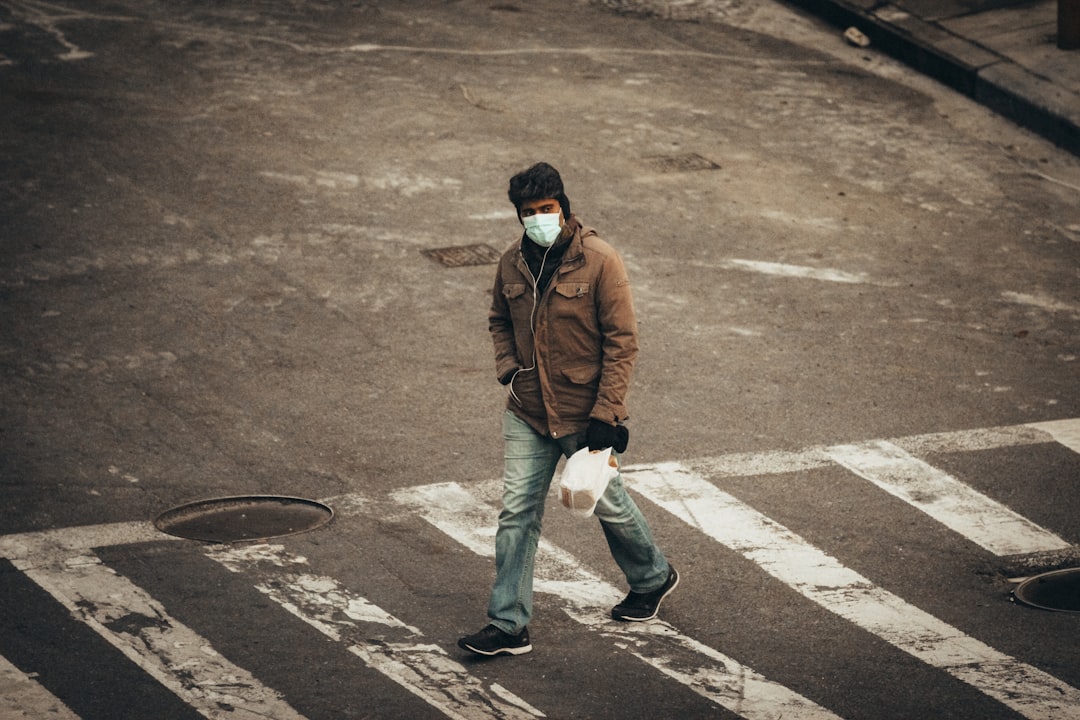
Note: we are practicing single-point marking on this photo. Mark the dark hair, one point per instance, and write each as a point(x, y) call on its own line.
point(539, 182)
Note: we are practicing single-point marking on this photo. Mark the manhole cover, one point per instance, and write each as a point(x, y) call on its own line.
point(463, 255)
point(1058, 590)
point(251, 517)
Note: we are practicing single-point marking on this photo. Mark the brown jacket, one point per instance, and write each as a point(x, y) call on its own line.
point(585, 337)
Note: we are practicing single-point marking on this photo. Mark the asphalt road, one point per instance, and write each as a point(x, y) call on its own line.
point(221, 228)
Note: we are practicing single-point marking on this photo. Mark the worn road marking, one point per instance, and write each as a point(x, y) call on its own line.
point(49, 16)
point(562, 51)
point(955, 505)
point(1066, 432)
point(53, 545)
point(1042, 301)
point(61, 561)
point(138, 625)
point(821, 578)
point(389, 646)
point(23, 698)
point(800, 271)
point(973, 440)
point(588, 599)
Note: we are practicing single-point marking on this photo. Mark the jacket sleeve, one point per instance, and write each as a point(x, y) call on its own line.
point(501, 326)
point(619, 340)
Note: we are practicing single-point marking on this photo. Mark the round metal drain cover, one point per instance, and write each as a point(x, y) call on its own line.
point(1058, 590)
point(244, 518)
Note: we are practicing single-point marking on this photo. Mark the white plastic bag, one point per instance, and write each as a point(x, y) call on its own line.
point(585, 478)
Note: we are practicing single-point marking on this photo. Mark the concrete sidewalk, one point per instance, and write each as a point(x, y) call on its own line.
point(1002, 53)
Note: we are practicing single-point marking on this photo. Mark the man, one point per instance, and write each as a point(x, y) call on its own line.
point(565, 337)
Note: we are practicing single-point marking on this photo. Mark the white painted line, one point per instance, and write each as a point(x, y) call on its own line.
point(390, 646)
point(76, 540)
point(588, 599)
point(755, 60)
point(48, 556)
point(955, 505)
point(800, 271)
point(821, 578)
point(23, 698)
point(48, 17)
point(139, 627)
point(763, 463)
point(1066, 432)
point(1042, 301)
point(972, 440)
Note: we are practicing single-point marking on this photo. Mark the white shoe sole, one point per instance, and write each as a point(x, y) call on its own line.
point(501, 651)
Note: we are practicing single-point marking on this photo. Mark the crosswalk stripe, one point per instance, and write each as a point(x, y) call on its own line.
point(972, 440)
point(139, 627)
point(821, 578)
point(22, 698)
point(422, 668)
point(54, 545)
point(1066, 432)
point(62, 562)
point(587, 598)
point(49, 558)
point(955, 505)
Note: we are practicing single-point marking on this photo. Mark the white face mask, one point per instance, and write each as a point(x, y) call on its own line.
point(543, 228)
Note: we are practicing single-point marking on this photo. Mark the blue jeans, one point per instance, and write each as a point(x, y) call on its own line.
point(530, 461)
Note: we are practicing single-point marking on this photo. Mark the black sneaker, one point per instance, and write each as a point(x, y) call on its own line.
point(638, 607)
point(493, 641)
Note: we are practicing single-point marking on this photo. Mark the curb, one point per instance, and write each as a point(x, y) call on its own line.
point(988, 78)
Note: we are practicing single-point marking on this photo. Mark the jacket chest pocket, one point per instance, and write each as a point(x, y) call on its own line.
point(514, 293)
point(573, 301)
point(518, 303)
point(572, 289)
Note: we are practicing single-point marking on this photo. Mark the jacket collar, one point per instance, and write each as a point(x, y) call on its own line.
point(575, 250)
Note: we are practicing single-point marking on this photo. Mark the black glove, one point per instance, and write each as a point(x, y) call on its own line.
point(601, 435)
